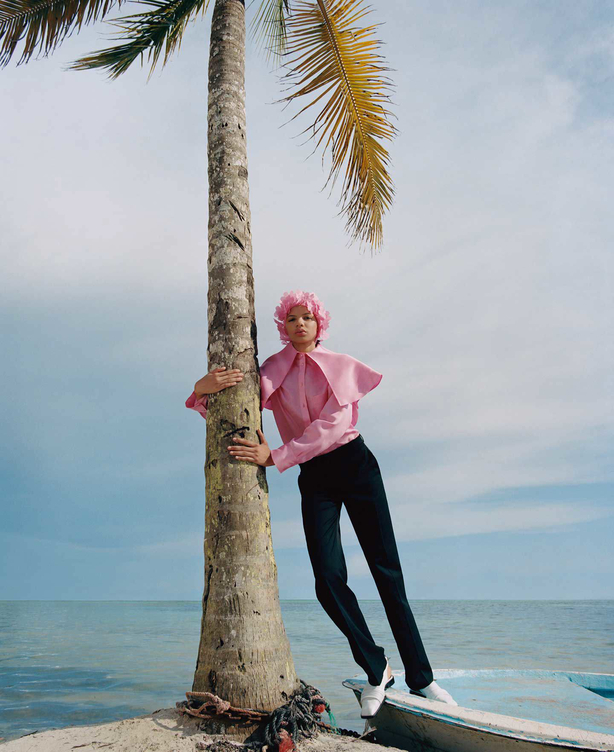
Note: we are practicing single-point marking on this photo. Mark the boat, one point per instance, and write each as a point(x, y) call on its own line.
point(499, 710)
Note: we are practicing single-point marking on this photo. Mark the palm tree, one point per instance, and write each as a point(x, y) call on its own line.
point(244, 655)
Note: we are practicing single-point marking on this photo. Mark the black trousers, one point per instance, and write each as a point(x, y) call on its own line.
point(350, 475)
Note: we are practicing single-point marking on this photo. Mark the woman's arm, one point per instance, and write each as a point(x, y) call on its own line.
point(319, 435)
point(198, 404)
point(214, 381)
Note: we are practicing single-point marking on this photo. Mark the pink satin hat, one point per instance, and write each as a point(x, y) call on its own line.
point(308, 299)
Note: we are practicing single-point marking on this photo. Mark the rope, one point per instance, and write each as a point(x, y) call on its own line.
point(298, 719)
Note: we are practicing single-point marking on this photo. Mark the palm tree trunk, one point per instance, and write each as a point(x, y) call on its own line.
point(244, 654)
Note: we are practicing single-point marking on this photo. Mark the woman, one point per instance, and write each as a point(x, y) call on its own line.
point(314, 395)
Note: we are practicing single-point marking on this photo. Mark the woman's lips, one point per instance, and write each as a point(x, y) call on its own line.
point(301, 332)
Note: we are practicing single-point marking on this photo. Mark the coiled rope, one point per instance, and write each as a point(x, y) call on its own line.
point(298, 719)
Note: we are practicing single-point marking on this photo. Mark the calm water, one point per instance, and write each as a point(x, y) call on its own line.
point(78, 662)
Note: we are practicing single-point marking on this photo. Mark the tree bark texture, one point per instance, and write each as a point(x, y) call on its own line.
point(244, 654)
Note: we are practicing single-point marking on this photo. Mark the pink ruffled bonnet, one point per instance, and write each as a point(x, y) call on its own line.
point(308, 299)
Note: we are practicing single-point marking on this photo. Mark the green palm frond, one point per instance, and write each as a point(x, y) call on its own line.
point(268, 27)
point(153, 31)
point(44, 23)
point(336, 62)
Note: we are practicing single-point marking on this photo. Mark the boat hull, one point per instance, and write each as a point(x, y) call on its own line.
point(416, 724)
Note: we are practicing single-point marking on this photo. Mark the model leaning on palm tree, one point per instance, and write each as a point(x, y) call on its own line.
point(314, 395)
point(333, 60)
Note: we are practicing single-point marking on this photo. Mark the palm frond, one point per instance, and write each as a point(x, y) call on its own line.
point(152, 31)
point(44, 23)
point(268, 27)
point(336, 62)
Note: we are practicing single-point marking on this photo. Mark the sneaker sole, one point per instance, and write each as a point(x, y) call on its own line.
point(414, 692)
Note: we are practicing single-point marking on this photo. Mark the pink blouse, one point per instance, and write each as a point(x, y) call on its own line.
point(309, 418)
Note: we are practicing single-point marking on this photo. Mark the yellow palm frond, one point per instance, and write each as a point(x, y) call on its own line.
point(268, 27)
point(44, 23)
point(337, 63)
point(151, 32)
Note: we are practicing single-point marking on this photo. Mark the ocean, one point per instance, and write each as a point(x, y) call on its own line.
point(68, 663)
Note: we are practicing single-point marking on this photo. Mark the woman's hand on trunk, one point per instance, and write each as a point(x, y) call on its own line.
point(249, 451)
point(216, 380)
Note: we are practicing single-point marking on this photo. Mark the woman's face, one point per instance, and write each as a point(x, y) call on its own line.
point(301, 325)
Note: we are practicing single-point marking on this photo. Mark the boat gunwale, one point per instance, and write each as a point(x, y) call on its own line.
point(498, 724)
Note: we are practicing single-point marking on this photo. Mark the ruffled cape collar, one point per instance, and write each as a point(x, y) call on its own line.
point(348, 378)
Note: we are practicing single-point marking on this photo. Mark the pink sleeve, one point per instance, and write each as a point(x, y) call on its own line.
point(200, 405)
point(319, 435)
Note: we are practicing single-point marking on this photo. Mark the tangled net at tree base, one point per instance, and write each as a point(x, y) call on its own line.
point(299, 718)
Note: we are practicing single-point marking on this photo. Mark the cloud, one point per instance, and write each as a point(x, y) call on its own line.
point(489, 311)
point(421, 522)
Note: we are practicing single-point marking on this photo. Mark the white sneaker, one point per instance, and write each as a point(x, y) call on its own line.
point(434, 692)
point(372, 696)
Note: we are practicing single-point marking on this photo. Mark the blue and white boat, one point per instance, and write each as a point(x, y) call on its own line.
point(499, 710)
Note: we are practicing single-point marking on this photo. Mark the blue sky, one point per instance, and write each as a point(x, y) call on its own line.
point(489, 310)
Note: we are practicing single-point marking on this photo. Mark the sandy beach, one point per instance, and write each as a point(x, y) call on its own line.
point(162, 731)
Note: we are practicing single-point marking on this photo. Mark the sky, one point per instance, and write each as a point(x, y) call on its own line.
point(488, 310)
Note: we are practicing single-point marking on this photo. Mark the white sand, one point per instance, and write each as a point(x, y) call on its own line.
point(162, 731)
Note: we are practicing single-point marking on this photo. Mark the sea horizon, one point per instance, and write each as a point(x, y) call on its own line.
point(310, 600)
point(81, 662)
